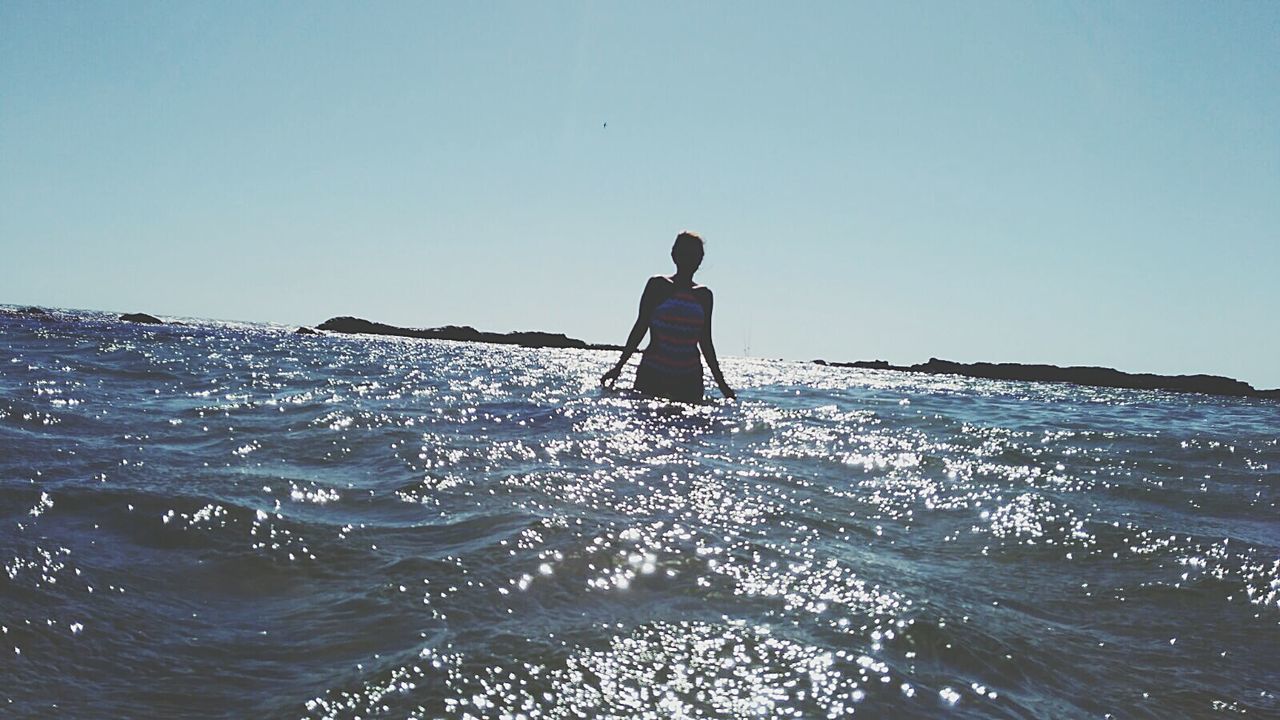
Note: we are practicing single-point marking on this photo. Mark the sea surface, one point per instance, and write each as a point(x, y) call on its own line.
point(222, 520)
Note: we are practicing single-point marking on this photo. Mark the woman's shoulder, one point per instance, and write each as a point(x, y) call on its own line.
point(702, 294)
point(657, 286)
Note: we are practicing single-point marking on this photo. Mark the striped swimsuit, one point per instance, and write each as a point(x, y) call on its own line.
point(671, 366)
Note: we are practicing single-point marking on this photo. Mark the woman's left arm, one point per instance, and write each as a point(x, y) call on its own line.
point(709, 351)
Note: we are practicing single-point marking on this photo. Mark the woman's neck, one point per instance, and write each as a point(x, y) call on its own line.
point(680, 278)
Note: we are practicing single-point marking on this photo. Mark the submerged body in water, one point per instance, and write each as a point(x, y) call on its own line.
point(671, 366)
point(676, 314)
point(225, 521)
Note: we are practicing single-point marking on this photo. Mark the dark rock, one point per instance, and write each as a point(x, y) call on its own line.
point(142, 318)
point(544, 339)
point(863, 364)
point(28, 312)
point(1092, 376)
point(1096, 376)
point(305, 331)
point(461, 333)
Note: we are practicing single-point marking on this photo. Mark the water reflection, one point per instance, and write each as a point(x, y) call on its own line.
point(373, 527)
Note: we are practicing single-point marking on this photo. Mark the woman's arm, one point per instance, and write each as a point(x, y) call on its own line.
point(637, 333)
point(709, 351)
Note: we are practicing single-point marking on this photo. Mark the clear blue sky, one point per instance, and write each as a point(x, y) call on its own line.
point(1071, 183)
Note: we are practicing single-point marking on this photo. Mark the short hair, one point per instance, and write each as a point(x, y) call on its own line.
point(688, 243)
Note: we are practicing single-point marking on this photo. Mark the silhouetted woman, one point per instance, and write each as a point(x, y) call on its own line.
point(677, 315)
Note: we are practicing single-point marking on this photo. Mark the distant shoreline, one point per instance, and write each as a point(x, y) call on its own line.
point(1087, 376)
point(462, 333)
point(1077, 375)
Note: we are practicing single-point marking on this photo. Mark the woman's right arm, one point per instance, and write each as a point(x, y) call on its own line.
point(637, 333)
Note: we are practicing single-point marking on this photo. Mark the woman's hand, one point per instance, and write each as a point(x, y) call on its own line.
point(727, 392)
point(608, 378)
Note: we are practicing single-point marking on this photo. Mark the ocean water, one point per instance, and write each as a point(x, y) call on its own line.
point(232, 521)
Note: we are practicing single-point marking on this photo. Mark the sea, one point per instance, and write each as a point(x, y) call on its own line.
point(230, 520)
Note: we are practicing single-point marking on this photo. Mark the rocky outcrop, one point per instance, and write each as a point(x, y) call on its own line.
point(463, 333)
point(863, 364)
point(1094, 376)
point(27, 312)
point(142, 318)
point(305, 331)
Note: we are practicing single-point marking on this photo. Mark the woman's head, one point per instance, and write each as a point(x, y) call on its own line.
point(687, 252)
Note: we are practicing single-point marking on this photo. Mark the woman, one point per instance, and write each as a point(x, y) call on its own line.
point(677, 315)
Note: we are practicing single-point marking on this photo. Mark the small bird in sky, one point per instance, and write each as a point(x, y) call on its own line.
point(605, 125)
